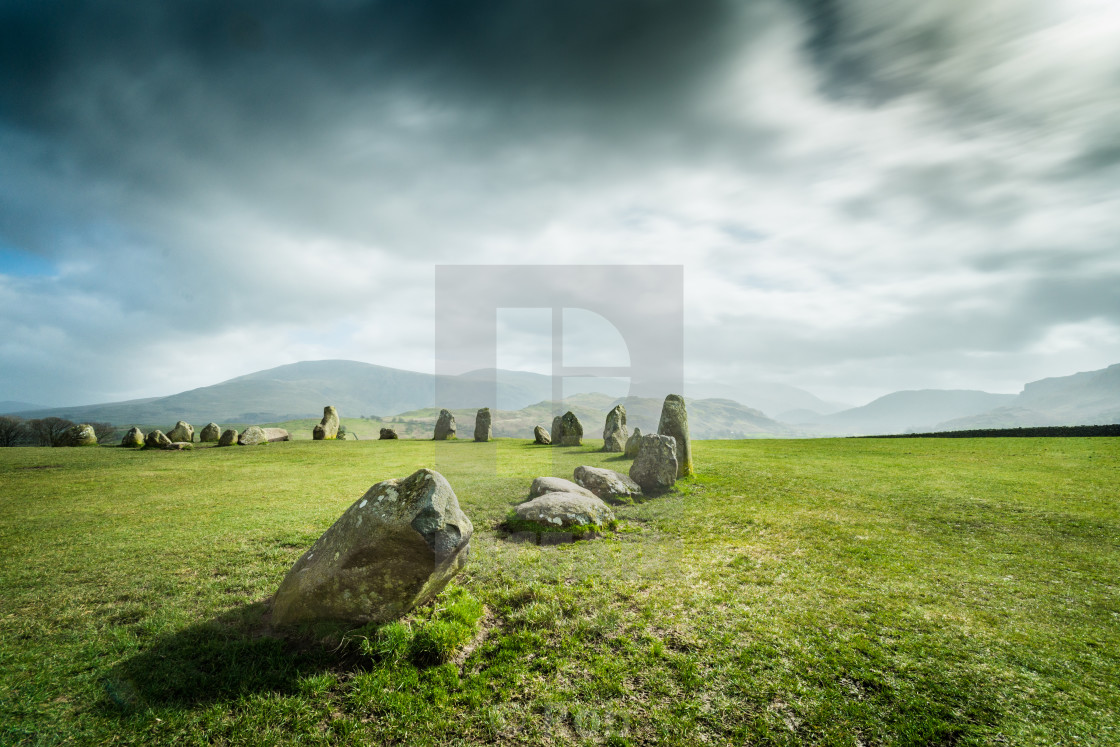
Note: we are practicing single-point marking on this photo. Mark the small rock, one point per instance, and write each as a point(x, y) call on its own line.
point(611, 486)
point(633, 443)
point(134, 438)
point(540, 436)
point(210, 433)
point(655, 468)
point(445, 426)
point(614, 430)
point(482, 425)
point(179, 446)
point(388, 434)
point(565, 510)
point(228, 437)
point(328, 426)
point(183, 431)
point(273, 435)
point(156, 440)
point(542, 485)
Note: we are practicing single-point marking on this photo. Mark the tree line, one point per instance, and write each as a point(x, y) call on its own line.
point(15, 431)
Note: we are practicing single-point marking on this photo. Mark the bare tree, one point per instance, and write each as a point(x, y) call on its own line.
point(12, 431)
point(48, 431)
point(104, 431)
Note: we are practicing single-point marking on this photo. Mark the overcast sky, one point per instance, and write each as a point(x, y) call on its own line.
point(866, 195)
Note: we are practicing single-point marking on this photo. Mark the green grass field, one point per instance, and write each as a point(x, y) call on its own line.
point(842, 592)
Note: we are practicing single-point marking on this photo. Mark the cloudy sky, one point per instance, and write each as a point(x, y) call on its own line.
point(866, 195)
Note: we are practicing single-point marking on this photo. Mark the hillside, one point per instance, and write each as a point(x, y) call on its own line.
point(900, 412)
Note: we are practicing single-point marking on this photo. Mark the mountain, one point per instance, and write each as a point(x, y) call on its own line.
point(1088, 398)
point(7, 407)
point(776, 400)
point(908, 411)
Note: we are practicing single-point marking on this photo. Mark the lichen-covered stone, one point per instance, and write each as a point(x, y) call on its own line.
point(81, 434)
point(614, 430)
point(542, 485)
point(633, 443)
point(571, 430)
point(328, 426)
point(228, 437)
point(655, 468)
point(482, 429)
point(272, 435)
point(183, 431)
point(388, 434)
point(611, 486)
point(445, 426)
point(394, 548)
point(674, 422)
point(209, 434)
point(557, 428)
point(179, 446)
point(540, 436)
point(252, 436)
point(565, 510)
point(134, 438)
point(156, 440)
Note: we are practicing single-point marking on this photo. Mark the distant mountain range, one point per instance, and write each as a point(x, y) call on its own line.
point(524, 399)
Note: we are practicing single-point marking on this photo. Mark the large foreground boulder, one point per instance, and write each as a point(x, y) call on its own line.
point(482, 429)
point(655, 468)
point(328, 426)
point(395, 548)
point(388, 434)
point(542, 485)
point(540, 436)
point(228, 437)
point(571, 430)
point(210, 434)
point(134, 438)
point(445, 426)
point(183, 431)
point(633, 443)
point(156, 440)
point(252, 436)
point(557, 427)
point(565, 510)
point(611, 486)
point(614, 430)
point(81, 434)
point(674, 422)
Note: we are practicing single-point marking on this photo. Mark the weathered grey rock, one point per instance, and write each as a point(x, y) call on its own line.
point(228, 437)
point(134, 438)
point(272, 435)
point(614, 430)
point(482, 429)
point(252, 436)
point(445, 426)
point(179, 446)
point(394, 548)
point(156, 440)
point(557, 427)
point(183, 431)
point(540, 436)
point(565, 510)
point(611, 486)
point(674, 422)
point(328, 426)
point(571, 430)
point(81, 434)
point(542, 485)
point(633, 443)
point(209, 434)
point(388, 434)
point(655, 468)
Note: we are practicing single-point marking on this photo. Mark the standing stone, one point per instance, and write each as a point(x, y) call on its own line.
point(210, 434)
point(394, 548)
point(328, 426)
point(633, 443)
point(228, 437)
point(540, 436)
point(252, 436)
point(445, 426)
point(134, 438)
point(482, 425)
point(614, 430)
point(655, 468)
point(571, 430)
point(183, 431)
point(611, 486)
point(81, 434)
point(674, 422)
point(388, 434)
point(557, 428)
point(156, 440)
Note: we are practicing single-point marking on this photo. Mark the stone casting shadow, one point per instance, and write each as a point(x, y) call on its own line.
point(221, 659)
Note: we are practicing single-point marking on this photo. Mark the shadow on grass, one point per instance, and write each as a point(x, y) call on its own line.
point(221, 659)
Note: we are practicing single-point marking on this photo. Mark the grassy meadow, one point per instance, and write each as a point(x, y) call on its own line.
point(839, 592)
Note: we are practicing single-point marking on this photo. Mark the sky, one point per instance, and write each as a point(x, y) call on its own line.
point(865, 195)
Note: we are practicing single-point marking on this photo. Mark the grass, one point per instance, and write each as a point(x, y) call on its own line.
point(840, 592)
